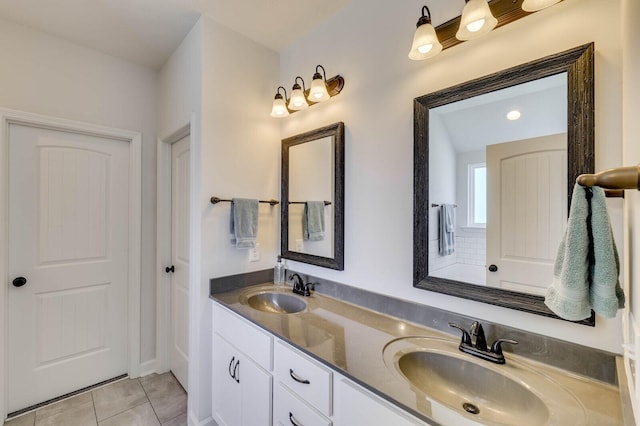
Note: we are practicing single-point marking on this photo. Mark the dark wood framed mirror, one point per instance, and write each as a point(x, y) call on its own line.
point(570, 72)
point(312, 194)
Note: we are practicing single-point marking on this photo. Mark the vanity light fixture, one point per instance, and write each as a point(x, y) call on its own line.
point(535, 5)
point(476, 20)
point(425, 40)
point(279, 108)
point(318, 91)
point(513, 115)
point(298, 101)
point(321, 90)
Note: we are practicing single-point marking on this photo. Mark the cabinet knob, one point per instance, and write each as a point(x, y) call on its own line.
point(170, 269)
point(493, 268)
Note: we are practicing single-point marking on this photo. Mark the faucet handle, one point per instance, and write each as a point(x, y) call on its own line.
point(466, 338)
point(496, 347)
point(477, 336)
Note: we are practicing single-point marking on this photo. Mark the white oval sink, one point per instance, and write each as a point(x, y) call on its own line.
point(510, 394)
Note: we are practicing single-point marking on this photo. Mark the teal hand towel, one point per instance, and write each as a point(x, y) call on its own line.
point(568, 295)
point(571, 296)
point(244, 222)
point(605, 295)
point(313, 221)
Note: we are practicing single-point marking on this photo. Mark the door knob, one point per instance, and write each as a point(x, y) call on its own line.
point(493, 268)
point(19, 281)
point(169, 269)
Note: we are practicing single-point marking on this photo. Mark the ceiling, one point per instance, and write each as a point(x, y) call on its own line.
point(148, 31)
point(477, 122)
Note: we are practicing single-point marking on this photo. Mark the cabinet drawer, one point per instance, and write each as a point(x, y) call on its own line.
point(304, 376)
point(247, 337)
point(290, 410)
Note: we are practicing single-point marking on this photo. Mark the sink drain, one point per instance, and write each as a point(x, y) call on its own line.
point(470, 408)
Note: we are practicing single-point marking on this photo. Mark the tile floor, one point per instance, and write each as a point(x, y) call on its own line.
point(154, 400)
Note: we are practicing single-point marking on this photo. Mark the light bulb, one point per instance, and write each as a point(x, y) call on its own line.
point(475, 25)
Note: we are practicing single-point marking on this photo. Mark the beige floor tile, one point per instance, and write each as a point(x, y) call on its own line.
point(24, 420)
point(142, 415)
point(76, 411)
point(167, 397)
point(118, 397)
point(181, 420)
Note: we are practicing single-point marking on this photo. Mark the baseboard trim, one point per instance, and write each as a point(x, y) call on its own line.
point(193, 420)
point(148, 367)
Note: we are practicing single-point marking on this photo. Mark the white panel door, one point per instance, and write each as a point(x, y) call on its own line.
point(69, 237)
point(526, 211)
point(180, 169)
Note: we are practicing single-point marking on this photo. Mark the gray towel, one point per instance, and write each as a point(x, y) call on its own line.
point(446, 229)
point(244, 222)
point(570, 295)
point(313, 221)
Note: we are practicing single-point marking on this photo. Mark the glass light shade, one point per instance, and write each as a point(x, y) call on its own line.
point(476, 20)
point(425, 43)
point(318, 91)
point(535, 5)
point(279, 108)
point(297, 100)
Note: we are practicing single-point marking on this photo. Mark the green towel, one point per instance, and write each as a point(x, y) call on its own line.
point(570, 295)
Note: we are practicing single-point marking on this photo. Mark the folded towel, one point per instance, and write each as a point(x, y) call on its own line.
point(244, 222)
point(585, 271)
point(606, 295)
point(313, 221)
point(446, 229)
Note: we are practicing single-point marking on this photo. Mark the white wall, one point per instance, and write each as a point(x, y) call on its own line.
point(47, 75)
point(376, 107)
point(631, 156)
point(240, 157)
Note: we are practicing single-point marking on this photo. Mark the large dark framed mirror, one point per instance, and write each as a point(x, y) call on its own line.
point(312, 194)
point(492, 193)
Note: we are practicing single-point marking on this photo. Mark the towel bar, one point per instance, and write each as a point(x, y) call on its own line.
point(618, 179)
point(216, 200)
point(438, 205)
point(326, 203)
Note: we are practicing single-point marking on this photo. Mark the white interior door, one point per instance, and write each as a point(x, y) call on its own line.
point(69, 237)
point(526, 211)
point(180, 170)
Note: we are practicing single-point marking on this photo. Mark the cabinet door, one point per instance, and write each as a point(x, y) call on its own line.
point(256, 396)
point(357, 406)
point(241, 390)
point(226, 393)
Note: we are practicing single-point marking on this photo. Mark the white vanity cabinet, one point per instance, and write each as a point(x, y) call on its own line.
point(242, 385)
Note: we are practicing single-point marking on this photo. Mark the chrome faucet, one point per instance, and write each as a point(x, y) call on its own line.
point(299, 287)
point(474, 343)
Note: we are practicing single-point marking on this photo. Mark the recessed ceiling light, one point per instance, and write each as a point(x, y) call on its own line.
point(513, 115)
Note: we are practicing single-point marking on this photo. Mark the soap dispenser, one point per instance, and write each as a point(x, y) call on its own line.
point(278, 272)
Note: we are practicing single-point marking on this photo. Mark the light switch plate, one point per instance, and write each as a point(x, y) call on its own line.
point(254, 253)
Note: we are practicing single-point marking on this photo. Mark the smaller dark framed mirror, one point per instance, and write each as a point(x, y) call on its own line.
point(312, 194)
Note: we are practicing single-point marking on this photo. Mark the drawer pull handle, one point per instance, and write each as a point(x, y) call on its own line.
point(297, 378)
point(293, 420)
point(236, 371)
point(230, 364)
